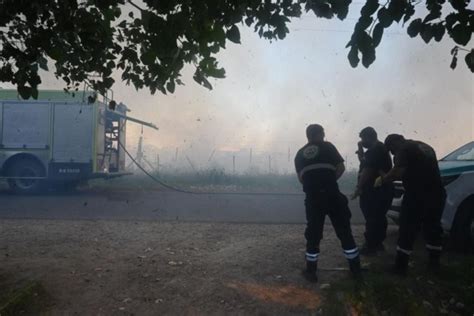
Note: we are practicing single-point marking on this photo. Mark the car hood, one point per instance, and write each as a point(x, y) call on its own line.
point(455, 167)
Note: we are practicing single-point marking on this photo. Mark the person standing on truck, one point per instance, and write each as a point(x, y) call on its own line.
point(318, 166)
point(374, 202)
point(415, 163)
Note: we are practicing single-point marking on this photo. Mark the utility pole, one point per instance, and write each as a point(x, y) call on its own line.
point(212, 155)
point(176, 155)
point(250, 161)
point(157, 163)
point(139, 156)
point(269, 164)
point(233, 164)
point(191, 164)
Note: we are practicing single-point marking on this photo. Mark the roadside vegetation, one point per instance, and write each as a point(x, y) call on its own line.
point(449, 292)
point(23, 298)
point(215, 179)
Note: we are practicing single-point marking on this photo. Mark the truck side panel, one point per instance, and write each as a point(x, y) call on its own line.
point(73, 133)
point(26, 125)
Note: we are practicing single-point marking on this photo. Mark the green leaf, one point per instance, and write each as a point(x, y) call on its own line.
point(377, 34)
point(459, 5)
point(340, 8)
point(363, 23)
point(117, 11)
point(321, 9)
point(108, 82)
point(43, 63)
point(427, 33)
point(461, 34)
point(148, 57)
point(249, 21)
point(216, 72)
point(414, 28)
point(451, 19)
point(233, 34)
point(282, 31)
point(353, 56)
point(385, 18)
point(432, 16)
point(364, 42)
point(25, 92)
point(34, 93)
point(454, 62)
point(368, 57)
point(369, 8)
point(219, 35)
point(55, 53)
point(170, 86)
point(409, 11)
point(469, 59)
point(146, 16)
point(367, 48)
point(438, 31)
point(199, 78)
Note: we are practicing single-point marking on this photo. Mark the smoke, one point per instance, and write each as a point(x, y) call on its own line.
point(273, 90)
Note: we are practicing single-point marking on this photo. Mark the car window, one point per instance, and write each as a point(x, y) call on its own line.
point(465, 153)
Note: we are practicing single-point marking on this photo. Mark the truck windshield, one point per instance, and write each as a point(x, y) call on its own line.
point(465, 153)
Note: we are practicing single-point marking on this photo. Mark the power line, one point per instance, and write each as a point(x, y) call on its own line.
point(338, 31)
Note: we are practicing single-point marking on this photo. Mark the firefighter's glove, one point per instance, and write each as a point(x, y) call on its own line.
point(378, 182)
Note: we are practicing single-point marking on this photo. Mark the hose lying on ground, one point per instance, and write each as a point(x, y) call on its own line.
point(176, 189)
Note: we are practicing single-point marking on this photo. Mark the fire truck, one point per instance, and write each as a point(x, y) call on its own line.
point(61, 139)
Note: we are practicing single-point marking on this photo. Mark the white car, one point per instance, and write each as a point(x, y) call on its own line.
point(457, 173)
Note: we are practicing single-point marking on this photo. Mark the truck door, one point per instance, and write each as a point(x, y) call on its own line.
point(25, 125)
point(73, 131)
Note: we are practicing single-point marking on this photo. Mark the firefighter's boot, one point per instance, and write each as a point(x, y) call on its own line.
point(354, 266)
point(401, 264)
point(310, 273)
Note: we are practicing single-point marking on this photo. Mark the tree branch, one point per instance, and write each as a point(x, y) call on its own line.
point(136, 6)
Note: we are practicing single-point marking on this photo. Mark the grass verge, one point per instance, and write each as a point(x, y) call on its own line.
point(447, 292)
point(29, 299)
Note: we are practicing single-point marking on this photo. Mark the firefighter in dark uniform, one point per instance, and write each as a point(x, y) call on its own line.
point(415, 163)
point(374, 202)
point(319, 165)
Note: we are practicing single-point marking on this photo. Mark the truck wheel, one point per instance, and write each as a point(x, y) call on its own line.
point(462, 234)
point(26, 168)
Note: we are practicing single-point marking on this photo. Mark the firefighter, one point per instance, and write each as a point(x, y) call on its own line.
point(374, 202)
point(415, 163)
point(319, 165)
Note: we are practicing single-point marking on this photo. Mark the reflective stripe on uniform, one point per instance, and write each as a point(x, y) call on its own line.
point(431, 247)
point(351, 253)
point(312, 256)
point(405, 251)
point(317, 166)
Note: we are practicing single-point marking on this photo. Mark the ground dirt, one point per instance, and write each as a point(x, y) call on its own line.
point(174, 268)
point(106, 267)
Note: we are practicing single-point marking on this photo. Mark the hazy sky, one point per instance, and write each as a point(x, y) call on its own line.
point(273, 90)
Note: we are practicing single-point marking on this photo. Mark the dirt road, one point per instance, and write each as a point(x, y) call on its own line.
point(153, 268)
point(160, 205)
